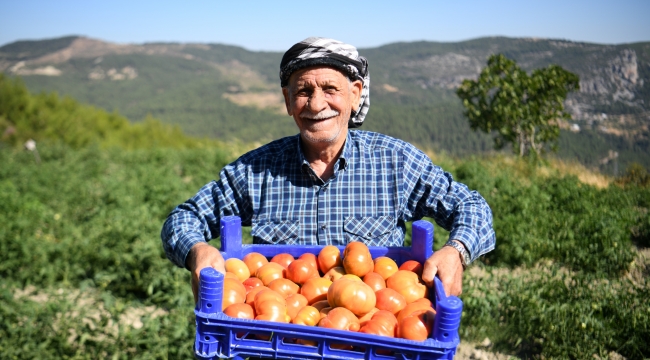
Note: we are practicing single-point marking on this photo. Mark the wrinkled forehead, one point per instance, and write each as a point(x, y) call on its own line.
point(318, 75)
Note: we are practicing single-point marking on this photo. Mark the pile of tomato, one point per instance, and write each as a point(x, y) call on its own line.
point(349, 291)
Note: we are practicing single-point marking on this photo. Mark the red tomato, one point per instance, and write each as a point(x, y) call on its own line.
point(269, 272)
point(252, 282)
point(375, 281)
point(334, 273)
point(340, 318)
point(329, 257)
point(233, 292)
point(311, 258)
point(284, 287)
point(295, 303)
point(390, 300)
point(308, 315)
point(300, 270)
point(353, 295)
point(357, 259)
point(416, 326)
point(412, 265)
point(385, 266)
point(283, 259)
point(254, 261)
point(240, 311)
point(315, 289)
point(420, 304)
point(239, 268)
point(408, 285)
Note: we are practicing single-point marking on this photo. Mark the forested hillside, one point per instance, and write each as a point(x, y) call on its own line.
point(227, 92)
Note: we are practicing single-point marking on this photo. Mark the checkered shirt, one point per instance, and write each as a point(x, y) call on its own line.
point(379, 184)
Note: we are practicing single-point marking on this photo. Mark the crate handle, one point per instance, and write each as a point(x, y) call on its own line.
point(448, 313)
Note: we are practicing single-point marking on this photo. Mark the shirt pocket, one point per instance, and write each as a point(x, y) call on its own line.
point(276, 232)
point(372, 230)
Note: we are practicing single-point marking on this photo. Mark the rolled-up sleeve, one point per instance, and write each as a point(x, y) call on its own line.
point(198, 219)
point(433, 193)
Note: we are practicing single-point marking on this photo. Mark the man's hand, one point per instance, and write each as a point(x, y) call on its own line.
point(446, 263)
point(202, 255)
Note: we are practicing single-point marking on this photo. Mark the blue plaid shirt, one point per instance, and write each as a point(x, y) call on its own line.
point(379, 184)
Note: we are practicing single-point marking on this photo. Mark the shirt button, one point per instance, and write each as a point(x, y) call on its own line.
point(322, 227)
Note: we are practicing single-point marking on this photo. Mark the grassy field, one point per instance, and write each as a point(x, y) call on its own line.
point(83, 274)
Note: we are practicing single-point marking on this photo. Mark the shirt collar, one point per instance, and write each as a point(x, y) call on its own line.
point(342, 161)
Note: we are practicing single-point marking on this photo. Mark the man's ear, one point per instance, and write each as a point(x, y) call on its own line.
point(287, 100)
point(355, 93)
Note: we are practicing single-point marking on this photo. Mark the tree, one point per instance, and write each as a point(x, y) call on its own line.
point(524, 110)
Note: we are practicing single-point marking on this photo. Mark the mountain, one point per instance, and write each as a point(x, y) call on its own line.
point(228, 92)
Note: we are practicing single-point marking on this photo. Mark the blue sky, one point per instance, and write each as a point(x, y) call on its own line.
point(275, 25)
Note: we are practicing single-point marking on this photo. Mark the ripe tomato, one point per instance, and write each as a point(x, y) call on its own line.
point(238, 268)
point(389, 320)
point(408, 285)
point(240, 311)
point(308, 315)
point(376, 328)
point(329, 257)
point(311, 259)
point(233, 292)
point(416, 326)
point(269, 272)
point(320, 305)
point(300, 270)
point(272, 310)
point(385, 266)
point(412, 265)
point(420, 304)
point(252, 282)
point(390, 300)
point(232, 275)
point(295, 303)
point(375, 281)
point(355, 296)
point(357, 259)
point(254, 261)
point(340, 318)
point(365, 318)
point(283, 259)
point(334, 273)
point(284, 287)
point(315, 289)
point(250, 297)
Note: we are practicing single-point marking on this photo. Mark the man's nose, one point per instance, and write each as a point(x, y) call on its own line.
point(317, 102)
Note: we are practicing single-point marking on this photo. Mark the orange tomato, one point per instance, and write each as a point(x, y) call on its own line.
point(420, 304)
point(412, 265)
point(329, 257)
point(283, 259)
point(252, 282)
point(357, 259)
point(240, 311)
point(232, 275)
point(355, 296)
point(416, 326)
point(319, 305)
point(385, 266)
point(300, 270)
point(233, 292)
point(376, 328)
point(238, 268)
point(389, 320)
point(408, 285)
point(340, 318)
point(269, 272)
point(365, 318)
point(375, 281)
point(254, 261)
point(250, 296)
point(390, 300)
point(284, 287)
point(315, 289)
point(334, 273)
point(295, 303)
point(311, 258)
point(308, 315)
point(272, 310)
point(268, 294)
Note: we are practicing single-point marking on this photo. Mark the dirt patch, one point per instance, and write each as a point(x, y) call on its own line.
point(262, 100)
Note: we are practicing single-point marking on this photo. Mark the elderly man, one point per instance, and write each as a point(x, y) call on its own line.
point(328, 185)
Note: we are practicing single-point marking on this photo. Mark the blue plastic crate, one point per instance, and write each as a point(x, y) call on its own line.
point(220, 336)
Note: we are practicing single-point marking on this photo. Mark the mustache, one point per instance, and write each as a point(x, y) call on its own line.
point(325, 114)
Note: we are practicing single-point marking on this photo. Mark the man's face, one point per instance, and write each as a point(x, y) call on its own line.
point(320, 100)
